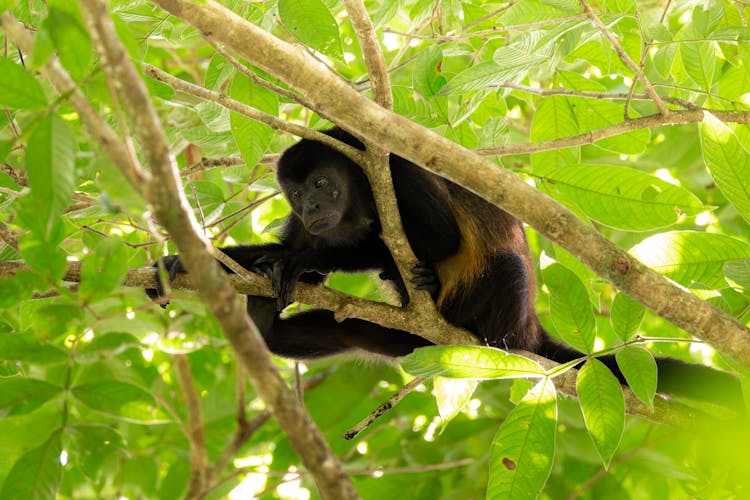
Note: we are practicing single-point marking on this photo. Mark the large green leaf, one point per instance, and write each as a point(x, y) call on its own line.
point(71, 40)
point(524, 446)
point(19, 89)
point(50, 162)
point(103, 269)
point(570, 308)
point(603, 407)
point(554, 119)
point(26, 348)
point(699, 60)
point(691, 258)
point(737, 274)
point(728, 162)
point(24, 395)
point(469, 362)
point(623, 198)
point(312, 23)
point(592, 114)
point(37, 474)
point(639, 368)
point(121, 399)
point(252, 137)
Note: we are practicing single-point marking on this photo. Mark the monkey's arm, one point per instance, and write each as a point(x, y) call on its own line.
point(316, 333)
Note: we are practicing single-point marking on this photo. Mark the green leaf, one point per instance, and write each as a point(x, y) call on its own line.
point(18, 88)
point(19, 396)
point(737, 274)
point(25, 348)
point(71, 41)
point(699, 59)
point(592, 114)
point(252, 137)
point(603, 407)
point(50, 162)
point(92, 445)
point(570, 308)
point(524, 446)
point(103, 269)
point(554, 119)
point(312, 23)
point(469, 362)
point(43, 258)
point(104, 346)
point(691, 258)
point(475, 77)
point(639, 368)
point(121, 399)
point(626, 316)
point(623, 198)
point(452, 395)
point(426, 78)
point(7, 5)
point(728, 162)
point(37, 474)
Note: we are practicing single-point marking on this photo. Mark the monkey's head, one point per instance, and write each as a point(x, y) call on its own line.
point(327, 191)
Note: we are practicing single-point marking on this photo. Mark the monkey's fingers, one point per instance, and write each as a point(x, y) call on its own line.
point(425, 278)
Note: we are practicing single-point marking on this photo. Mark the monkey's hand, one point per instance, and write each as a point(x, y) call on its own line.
point(284, 272)
point(172, 265)
point(426, 279)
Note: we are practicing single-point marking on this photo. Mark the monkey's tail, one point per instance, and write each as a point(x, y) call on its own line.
point(675, 377)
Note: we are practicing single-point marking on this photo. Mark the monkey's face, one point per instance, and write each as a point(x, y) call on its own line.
point(320, 201)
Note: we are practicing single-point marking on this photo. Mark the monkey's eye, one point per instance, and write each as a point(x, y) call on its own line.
point(321, 182)
point(295, 194)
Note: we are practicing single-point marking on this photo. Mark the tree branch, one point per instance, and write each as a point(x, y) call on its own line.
point(624, 57)
point(165, 194)
point(198, 457)
point(456, 163)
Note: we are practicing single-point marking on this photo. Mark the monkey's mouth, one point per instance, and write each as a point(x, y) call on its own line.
point(324, 222)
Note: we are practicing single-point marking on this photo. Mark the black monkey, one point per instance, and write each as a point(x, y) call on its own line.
point(474, 260)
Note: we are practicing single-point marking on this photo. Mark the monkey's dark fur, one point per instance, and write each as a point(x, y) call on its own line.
point(474, 260)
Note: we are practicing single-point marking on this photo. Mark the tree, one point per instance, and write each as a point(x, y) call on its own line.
point(617, 131)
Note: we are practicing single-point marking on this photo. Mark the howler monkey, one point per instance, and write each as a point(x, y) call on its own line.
point(474, 260)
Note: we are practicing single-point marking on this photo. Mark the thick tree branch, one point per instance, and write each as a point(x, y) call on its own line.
point(436, 153)
point(377, 167)
point(667, 412)
point(164, 193)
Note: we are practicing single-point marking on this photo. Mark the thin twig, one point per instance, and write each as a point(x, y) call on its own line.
point(196, 435)
point(624, 57)
point(383, 408)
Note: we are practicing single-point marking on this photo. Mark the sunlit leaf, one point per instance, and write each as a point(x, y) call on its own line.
point(603, 407)
point(451, 395)
point(623, 198)
point(737, 274)
point(639, 368)
point(626, 316)
point(524, 446)
point(312, 23)
point(691, 258)
point(469, 362)
point(571, 310)
point(728, 162)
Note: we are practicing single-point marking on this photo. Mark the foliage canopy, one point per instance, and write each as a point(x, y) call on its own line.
point(92, 398)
